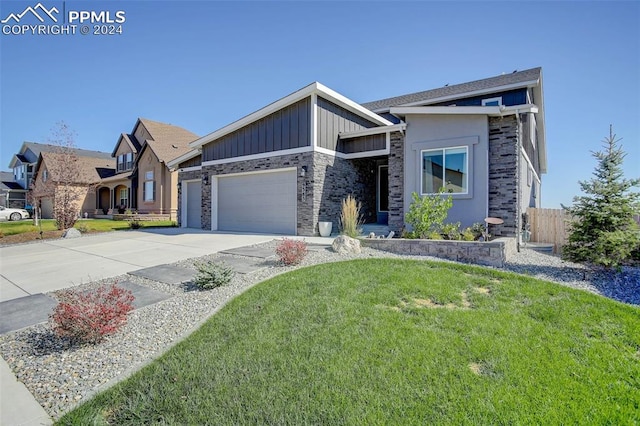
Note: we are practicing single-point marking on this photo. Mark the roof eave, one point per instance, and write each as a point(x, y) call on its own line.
point(502, 88)
point(492, 111)
point(184, 157)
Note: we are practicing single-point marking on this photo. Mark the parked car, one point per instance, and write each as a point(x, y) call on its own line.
point(13, 214)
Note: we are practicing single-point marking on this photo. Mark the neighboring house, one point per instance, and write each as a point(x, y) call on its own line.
point(142, 181)
point(287, 166)
point(51, 172)
point(23, 164)
point(11, 193)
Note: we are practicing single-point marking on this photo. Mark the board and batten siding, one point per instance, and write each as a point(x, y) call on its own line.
point(333, 119)
point(287, 128)
point(509, 98)
point(193, 162)
point(362, 144)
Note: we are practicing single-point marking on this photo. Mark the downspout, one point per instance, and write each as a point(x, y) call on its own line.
point(518, 155)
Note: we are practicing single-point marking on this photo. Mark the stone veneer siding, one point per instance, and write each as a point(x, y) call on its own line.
point(182, 176)
point(334, 179)
point(328, 181)
point(504, 156)
point(396, 183)
point(304, 203)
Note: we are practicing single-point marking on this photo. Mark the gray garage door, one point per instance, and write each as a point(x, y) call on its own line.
point(194, 204)
point(258, 202)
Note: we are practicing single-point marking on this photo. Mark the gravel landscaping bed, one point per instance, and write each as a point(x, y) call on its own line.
point(60, 376)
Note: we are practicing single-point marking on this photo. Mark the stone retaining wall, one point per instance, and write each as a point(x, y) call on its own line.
point(492, 253)
point(142, 217)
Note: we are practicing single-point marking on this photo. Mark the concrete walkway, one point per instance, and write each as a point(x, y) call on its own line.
point(47, 266)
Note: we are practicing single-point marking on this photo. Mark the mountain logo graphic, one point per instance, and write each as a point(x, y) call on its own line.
point(34, 11)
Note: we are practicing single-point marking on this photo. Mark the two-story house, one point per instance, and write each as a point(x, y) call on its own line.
point(23, 165)
point(142, 181)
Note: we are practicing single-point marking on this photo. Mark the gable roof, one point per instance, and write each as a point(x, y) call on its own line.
point(38, 148)
point(311, 89)
point(167, 141)
point(131, 140)
point(91, 169)
point(526, 78)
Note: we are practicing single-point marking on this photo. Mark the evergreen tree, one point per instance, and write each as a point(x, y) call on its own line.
point(603, 231)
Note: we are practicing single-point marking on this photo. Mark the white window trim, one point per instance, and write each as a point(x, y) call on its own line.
point(489, 100)
point(444, 150)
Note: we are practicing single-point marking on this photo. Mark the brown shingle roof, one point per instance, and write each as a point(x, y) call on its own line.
point(168, 141)
point(91, 169)
point(457, 89)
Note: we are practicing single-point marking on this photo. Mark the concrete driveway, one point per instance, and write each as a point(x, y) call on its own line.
point(52, 265)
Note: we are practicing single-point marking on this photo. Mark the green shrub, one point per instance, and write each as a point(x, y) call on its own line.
point(434, 235)
point(451, 231)
point(350, 218)
point(212, 274)
point(468, 235)
point(410, 235)
point(428, 213)
point(135, 224)
point(478, 229)
point(83, 228)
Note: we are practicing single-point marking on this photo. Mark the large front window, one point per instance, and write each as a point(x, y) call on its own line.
point(445, 169)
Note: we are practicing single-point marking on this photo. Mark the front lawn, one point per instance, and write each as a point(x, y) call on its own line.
point(24, 230)
point(385, 341)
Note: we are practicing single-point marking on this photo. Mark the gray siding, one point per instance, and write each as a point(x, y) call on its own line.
point(444, 131)
point(195, 161)
point(284, 129)
point(362, 144)
point(333, 119)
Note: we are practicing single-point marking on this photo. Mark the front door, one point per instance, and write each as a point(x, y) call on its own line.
point(382, 192)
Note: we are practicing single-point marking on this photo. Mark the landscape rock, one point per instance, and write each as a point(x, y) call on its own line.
point(346, 245)
point(71, 233)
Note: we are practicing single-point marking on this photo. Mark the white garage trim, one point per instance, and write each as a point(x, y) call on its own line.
point(184, 204)
point(215, 183)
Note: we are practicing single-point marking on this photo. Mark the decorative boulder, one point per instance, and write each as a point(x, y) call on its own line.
point(346, 245)
point(71, 233)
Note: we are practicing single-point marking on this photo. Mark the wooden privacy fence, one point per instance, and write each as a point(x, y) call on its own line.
point(549, 226)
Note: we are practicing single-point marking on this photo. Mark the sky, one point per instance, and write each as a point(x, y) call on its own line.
point(204, 64)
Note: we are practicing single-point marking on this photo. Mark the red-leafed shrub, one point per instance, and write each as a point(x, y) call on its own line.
point(87, 317)
point(291, 252)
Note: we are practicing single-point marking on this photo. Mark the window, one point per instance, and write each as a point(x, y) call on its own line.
point(149, 188)
point(445, 168)
point(124, 196)
point(45, 175)
point(492, 101)
point(125, 161)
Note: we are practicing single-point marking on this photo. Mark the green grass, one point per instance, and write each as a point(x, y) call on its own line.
point(91, 225)
point(393, 342)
